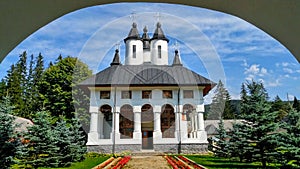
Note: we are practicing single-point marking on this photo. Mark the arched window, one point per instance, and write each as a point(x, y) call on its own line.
point(126, 123)
point(187, 110)
point(106, 110)
point(147, 113)
point(106, 126)
point(167, 121)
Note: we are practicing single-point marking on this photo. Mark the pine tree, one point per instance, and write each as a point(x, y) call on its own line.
point(296, 104)
point(280, 107)
point(257, 131)
point(221, 148)
point(8, 140)
point(289, 149)
point(220, 106)
point(78, 147)
point(57, 84)
point(39, 148)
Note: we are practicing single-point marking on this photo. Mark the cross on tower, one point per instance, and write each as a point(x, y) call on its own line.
point(157, 16)
point(117, 45)
point(133, 16)
point(176, 45)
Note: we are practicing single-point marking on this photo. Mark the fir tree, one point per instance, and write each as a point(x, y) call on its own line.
point(280, 107)
point(57, 85)
point(221, 148)
point(220, 106)
point(257, 130)
point(39, 148)
point(8, 140)
point(289, 149)
point(296, 104)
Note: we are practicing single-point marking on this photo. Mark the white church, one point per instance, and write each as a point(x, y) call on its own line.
point(147, 103)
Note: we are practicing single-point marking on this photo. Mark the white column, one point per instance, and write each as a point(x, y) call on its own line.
point(137, 134)
point(192, 125)
point(93, 135)
point(100, 125)
point(117, 115)
point(200, 121)
point(177, 130)
point(157, 126)
point(94, 122)
point(201, 133)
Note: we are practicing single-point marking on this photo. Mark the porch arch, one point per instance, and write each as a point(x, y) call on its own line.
point(167, 119)
point(105, 121)
point(126, 123)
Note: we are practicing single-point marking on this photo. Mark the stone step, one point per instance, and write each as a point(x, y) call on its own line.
point(147, 153)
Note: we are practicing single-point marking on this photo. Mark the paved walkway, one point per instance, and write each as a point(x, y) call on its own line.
point(147, 162)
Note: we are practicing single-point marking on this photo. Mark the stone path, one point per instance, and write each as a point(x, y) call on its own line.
point(147, 162)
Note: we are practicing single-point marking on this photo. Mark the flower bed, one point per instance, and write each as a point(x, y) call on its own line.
point(192, 163)
point(105, 163)
point(122, 162)
point(171, 162)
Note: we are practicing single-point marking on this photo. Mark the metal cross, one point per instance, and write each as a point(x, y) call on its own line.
point(117, 45)
point(176, 45)
point(133, 16)
point(157, 16)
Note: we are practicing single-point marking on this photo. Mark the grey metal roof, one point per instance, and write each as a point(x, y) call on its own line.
point(159, 34)
point(116, 59)
point(148, 75)
point(146, 39)
point(176, 61)
point(134, 33)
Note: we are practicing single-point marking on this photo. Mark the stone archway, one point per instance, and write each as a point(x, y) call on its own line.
point(167, 119)
point(105, 121)
point(126, 123)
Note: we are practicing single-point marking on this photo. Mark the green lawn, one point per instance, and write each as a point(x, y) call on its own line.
point(212, 162)
point(88, 163)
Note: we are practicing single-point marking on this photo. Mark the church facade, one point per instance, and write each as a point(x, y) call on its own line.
point(147, 103)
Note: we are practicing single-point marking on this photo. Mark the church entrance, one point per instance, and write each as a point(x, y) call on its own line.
point(147, 119)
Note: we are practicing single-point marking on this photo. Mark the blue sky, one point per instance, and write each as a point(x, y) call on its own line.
point(213, 44)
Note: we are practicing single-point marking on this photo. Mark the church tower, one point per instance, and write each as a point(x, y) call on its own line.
point(134, 47)
point(159, 47)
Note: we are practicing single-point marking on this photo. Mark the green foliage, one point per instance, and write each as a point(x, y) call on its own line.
point(282, 108)
point(57, 84)
point(39, 148)
point(52, 145)
point(256, 134)
point(221, 106)
point(220, 149)
point(296, 104)
point(289, 148)
point(8, 140)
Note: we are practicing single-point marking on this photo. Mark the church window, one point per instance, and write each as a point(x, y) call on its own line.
point(104, 94)
point(159, 51)
point(126, 94)
point(134, 51)
point(146, 94)
point(167, 94)
point(188, 94)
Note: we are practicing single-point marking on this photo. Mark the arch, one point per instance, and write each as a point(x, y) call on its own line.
point(45, 12)
point(147, 114)
point(106, 126)
point(167, 119)
point(126, 123)
point(187, 110)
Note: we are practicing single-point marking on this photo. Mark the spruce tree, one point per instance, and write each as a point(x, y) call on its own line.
point(289, 149)
point(57, 84)
point(220, 104)
point(221, 148)
point(280, 107)
point(259, 126)
point(39, 148)
point(3, 89)
point(78, 146)
point(296, 104)
point(8, 139)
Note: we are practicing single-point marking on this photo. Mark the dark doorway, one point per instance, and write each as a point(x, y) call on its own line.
point(147, 140)
point(147, 119)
